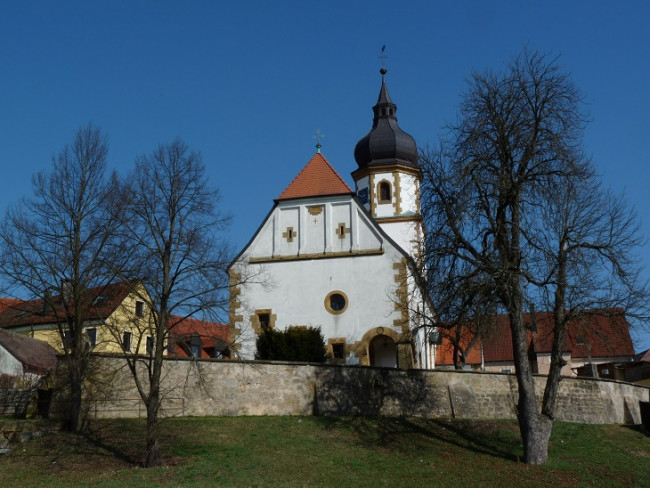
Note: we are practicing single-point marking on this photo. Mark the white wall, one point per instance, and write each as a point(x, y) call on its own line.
point(9, 364)
point(294, 279)
point(295, 291)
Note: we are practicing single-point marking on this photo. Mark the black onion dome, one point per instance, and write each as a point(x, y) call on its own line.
point(386, 143)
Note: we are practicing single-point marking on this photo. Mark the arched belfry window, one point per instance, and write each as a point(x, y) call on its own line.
point(384, 192)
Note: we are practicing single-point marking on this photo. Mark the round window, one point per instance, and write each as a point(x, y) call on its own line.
point(336, 302)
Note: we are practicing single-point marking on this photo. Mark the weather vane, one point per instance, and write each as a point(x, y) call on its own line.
point(318, 136)
point(383, 57)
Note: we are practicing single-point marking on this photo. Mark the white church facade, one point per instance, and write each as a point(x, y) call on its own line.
point(340, 259)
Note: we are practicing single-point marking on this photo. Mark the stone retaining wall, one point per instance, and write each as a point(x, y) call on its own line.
point(227, 388)
point(14, 401)
point(14, 432)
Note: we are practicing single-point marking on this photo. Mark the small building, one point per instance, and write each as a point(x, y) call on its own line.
point(635, 371)
point(596, 338)
point(24, 357)
point(190, 337)
point(115, 318)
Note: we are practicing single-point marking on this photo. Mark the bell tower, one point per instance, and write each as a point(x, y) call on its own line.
point(387, 181)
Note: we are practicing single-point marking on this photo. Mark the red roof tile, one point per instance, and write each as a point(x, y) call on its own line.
point(317, 178)
point(183, 329)
point(603, 333)
point(445, 351)
point(36, 356)
point(102, 300)
point(8, 302)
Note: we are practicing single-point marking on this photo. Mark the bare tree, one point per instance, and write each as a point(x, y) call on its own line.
point(173, 225)
point(586, 264)
point(55, 245)
point(516, 217)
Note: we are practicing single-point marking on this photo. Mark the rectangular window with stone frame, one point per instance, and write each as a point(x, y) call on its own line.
point(338, 351)
point(265, 320)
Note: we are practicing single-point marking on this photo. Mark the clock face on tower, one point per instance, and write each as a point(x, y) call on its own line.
point(363, 195)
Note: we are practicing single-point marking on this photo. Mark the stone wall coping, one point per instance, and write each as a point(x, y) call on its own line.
point(358, 366)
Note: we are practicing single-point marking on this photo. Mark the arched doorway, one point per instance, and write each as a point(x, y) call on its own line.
point(383, 352)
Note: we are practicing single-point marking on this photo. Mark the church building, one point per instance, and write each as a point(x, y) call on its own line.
point(341, 259)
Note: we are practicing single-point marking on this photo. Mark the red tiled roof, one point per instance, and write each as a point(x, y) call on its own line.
point(445, 351)
point(182, 330)
point(8, 302)
point(317, 178)
point(36, 356)
point(603, 333)
point(102, 300)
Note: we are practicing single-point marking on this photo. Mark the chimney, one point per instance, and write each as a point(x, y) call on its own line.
point(66, 289)
point(47, 302)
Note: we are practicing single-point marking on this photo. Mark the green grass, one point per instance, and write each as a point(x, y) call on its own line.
point(341, 452)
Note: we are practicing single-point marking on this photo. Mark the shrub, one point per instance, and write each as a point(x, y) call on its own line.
point(297, 343)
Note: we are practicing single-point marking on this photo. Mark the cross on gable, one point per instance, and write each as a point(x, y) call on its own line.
point(318, 136)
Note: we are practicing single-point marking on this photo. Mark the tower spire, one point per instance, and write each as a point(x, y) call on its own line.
point(386, 143)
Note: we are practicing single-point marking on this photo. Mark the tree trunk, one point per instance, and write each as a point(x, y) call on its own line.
point(76, 412)
point(459, 358)
point(535, 429)
point(559, 317)
point(154, 456)
point(535, 433)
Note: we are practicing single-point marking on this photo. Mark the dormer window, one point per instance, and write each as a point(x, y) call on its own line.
point(384, 192)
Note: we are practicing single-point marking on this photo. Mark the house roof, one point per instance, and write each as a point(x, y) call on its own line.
point(602, 333)
point(102, 300)
point(185, 327)
point(36, 356)
point(182, 331)
point(317, 178)
point(8, 302)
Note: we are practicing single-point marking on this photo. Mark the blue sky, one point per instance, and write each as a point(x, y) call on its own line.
point(249, 84)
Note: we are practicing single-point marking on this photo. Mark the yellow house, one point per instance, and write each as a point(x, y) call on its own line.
point(116, 318)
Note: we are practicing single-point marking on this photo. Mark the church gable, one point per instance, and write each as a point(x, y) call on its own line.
point(316, 216)
point(314, 228)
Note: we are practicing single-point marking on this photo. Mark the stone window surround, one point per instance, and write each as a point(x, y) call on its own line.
point(328, 305)
point(381, 200)
point(255, 319)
